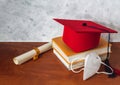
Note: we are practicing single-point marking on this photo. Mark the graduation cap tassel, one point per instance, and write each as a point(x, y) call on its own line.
point(107, 60)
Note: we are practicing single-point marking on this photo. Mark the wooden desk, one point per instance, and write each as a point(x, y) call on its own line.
point(47, 70)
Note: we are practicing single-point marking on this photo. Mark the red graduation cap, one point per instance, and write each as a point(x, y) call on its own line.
point(81, 35)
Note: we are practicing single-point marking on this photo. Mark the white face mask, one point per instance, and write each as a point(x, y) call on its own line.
point(91, 66)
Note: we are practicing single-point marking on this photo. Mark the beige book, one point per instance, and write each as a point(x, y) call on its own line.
point(77, 64)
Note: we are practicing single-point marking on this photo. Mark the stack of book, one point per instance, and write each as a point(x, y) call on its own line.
point(66, 55)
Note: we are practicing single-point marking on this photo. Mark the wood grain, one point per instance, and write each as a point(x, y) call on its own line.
point(115, 55)
point(47, 70)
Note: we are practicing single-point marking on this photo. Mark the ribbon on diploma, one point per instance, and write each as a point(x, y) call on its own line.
point(37, 53)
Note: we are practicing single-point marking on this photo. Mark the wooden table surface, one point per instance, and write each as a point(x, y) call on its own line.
point(47, 70)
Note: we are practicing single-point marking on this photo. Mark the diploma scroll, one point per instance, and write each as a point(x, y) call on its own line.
point(30, 54)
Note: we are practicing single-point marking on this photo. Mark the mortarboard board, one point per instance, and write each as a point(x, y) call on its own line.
point(81, 35)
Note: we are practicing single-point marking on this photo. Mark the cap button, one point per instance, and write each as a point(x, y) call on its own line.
point(84, 24)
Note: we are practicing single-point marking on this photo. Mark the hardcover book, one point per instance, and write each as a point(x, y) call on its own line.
point(68, 54)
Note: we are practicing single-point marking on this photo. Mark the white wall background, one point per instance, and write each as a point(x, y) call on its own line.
point(32, 20)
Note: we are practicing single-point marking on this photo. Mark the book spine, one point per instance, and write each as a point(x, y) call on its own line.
point(67, 65)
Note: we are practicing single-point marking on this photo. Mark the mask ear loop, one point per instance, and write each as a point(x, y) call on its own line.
point(106, 72)
point(71, 66)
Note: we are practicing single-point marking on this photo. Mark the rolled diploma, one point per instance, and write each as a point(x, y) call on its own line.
point(29, 55)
